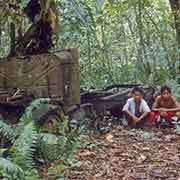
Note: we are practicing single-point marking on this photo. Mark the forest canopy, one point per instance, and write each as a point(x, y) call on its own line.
point(120, 41)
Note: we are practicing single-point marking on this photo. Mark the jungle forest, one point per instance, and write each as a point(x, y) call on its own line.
point(89, 89)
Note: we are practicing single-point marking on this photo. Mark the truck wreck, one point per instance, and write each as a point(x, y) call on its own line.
point(24, 79)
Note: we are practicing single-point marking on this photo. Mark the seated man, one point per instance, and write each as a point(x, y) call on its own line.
point(165, 106)
point(136, 109)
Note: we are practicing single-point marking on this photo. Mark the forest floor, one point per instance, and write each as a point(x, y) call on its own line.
point(135, 154)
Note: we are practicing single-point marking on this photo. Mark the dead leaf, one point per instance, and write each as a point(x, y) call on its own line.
point(86, 154)
point(121, 156)
point(141, 158)
point(109, 137)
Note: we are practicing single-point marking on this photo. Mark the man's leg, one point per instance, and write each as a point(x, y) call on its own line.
point(131, 122)
point(177, 114)
point(153, 116)
point(167, 116)
point(144, 120)
point(128, 119)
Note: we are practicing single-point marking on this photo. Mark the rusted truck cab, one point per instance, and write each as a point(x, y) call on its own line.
point(54, 76)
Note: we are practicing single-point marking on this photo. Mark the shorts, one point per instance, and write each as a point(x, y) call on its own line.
point(153, 116)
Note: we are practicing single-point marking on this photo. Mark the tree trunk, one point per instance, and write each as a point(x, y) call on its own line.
point(0, 35)
point(175, 6)
point(13, 39)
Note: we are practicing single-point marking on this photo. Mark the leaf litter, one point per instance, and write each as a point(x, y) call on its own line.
point(136, 154)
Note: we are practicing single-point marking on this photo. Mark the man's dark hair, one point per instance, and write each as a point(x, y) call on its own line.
point(165, 88)
point(137, 89)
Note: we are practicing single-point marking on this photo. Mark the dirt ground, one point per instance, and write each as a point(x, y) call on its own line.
point(148, 154)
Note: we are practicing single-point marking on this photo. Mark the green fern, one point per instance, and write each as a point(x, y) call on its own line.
point(73, 141)
point(24, 147)
point(8, 132)
point(49, 148)
point(21, 165)
point(54, 147)
point(28, 115)
point(10, 170)
point(29, 143)
point(32, 174)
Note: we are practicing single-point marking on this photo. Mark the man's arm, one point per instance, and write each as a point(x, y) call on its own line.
point(176, 108)
point(143, 115)
point(130, 114)
point(146, 110)
point(126, 110)
point(155, 105)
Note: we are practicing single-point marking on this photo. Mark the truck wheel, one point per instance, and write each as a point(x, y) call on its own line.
point(52, 119)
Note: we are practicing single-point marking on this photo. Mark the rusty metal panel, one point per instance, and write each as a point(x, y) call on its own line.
point(45, 75)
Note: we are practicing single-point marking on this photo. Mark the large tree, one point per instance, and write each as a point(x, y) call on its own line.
point(175, 6)
point(43, 17)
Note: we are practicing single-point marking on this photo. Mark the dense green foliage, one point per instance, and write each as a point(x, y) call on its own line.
point(33, 153)
point(123, 41)
point(119, 41)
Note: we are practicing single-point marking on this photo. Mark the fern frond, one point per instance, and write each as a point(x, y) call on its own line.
point(28, 115)
point(54, 147)
point(49, 146)
point(24, 147)
point(8, 132)
point(32, 174)
point(73, 140)
point(11, 170)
